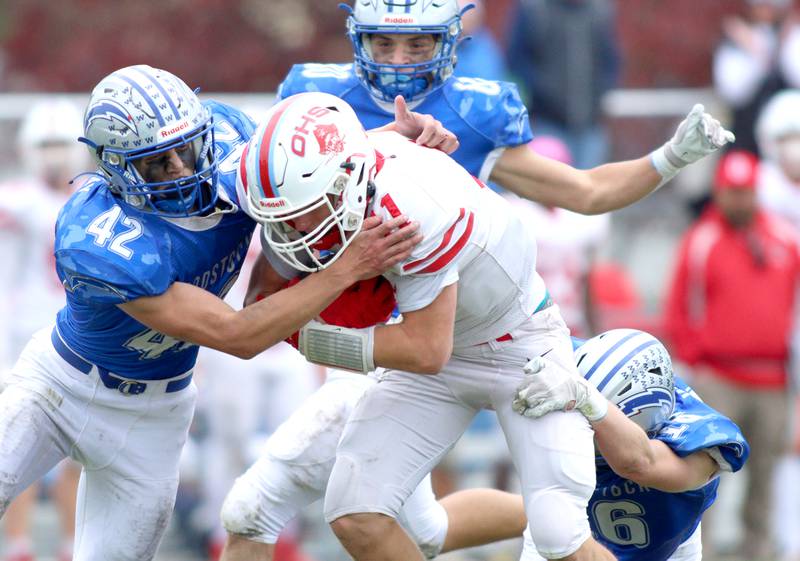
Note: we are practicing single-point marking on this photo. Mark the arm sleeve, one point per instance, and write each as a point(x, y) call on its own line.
point(695, 426)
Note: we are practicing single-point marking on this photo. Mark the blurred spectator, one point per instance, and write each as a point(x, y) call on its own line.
point(759, 56)
point(568, 244)
point(51, 156)
point(479, 55)
point(729, 315)
point(778, 136)
point(564, 55)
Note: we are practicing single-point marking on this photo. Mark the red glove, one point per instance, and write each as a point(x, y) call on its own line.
point(364, 304)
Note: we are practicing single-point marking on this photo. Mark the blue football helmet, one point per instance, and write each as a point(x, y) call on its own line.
point(633, 370)
point(140, 111)
point(440, 18)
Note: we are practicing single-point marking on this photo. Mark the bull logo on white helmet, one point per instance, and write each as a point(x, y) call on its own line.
point(310, 153)
point(329, 139)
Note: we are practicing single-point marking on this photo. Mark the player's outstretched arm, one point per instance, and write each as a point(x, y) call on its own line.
point(188, 313)
point(610, 186)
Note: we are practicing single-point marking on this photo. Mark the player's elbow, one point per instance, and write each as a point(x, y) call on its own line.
point(637, 467)
point(432, 356)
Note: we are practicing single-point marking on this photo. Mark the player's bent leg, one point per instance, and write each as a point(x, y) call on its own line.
point(240, 548)
point(131, 447)
point(264, 500)
point(590, 550)
point(399, 430)
point(481, 516)
point(30, 441)
point(425, 519)
point(375, 537)
point(294, 469)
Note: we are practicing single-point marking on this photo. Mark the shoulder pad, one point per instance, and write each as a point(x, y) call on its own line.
point(695, 426)
point(238, 120)
point(335, 79)
point(107, 252)
point(491, 108)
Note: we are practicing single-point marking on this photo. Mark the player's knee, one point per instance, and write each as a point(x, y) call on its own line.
point(361, 530)
point(241, 511)
point(558, 522)
point(428, 529)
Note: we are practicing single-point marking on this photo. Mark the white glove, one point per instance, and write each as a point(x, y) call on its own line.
point(548, 387)
point(698, 135)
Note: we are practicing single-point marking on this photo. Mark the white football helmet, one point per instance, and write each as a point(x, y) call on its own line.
point(778, 131)
point(141, 111)
point(633, 370)
point(310, 152)
point(47, 141)
point(440, 18)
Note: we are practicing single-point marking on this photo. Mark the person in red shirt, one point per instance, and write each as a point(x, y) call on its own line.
point(729, 315)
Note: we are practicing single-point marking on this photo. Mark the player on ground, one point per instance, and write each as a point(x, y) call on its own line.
point(646, 507)
point(473, 308)
point(145, 250)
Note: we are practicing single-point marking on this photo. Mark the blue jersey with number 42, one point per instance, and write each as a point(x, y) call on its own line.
point(641, 524)
point(108, 253)
point(484, 114)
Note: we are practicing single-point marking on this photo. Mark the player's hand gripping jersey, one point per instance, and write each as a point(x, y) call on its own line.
point(108, 253)
point(641, 524)
point(487, 116)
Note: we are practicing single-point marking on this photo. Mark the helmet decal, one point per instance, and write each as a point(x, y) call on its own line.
point(310, 156)
point(141, 111)
point(111, 111)
point(633, 370)
point(329, 139)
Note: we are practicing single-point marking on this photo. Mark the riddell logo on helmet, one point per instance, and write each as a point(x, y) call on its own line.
point(272, 204)
point(398, 20)
point(173, 130)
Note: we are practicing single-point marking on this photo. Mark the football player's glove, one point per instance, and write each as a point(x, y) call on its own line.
point(698, 135)
point(548, 387)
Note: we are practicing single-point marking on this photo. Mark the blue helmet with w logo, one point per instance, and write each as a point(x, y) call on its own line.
point(140, 111)
point(633, 370)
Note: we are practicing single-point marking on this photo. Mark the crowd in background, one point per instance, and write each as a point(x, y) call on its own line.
point(727, 258)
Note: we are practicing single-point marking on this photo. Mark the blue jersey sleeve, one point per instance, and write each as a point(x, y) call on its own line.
point(695, 426)
point(492, 109)
point(104, 254)
point(337, 79)
point(232, 129)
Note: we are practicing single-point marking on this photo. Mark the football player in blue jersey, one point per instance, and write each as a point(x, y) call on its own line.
point(651, 492)
point(146, 249)
point(409, 48)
